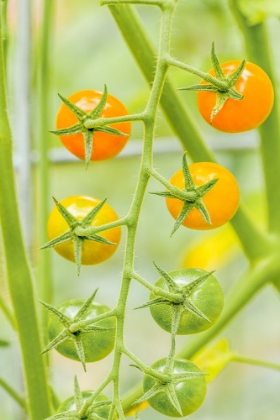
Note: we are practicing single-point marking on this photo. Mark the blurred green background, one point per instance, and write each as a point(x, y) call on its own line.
point(87, 51)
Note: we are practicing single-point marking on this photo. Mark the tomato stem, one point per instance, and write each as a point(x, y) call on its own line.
point(255, 362)
point(18, 275)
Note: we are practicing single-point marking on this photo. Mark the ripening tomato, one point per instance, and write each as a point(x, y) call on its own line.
point(221, 201)
point(92, 252)
point(96, 344)
point(190, 393)
point(240, 115)
point(93, 413)
point(208, 298)
point(105, 146)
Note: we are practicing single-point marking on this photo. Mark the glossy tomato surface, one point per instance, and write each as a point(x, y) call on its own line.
point(208, 297)
point(79, 206)
point(190, 394)
point(70, 405)
point(96, 344)
point(105, 146)
point(238, 116)
point(221, 201)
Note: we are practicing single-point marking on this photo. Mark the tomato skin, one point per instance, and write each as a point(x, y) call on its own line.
point(92, 252)
point(208, 298)
point(105, 146)
point(246, 114)
point(96, 344)
point(221, 201)
point(70, 405)
point(190, 394)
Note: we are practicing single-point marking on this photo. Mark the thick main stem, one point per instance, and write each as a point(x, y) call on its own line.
point(18, 271)
point(133, 216)
point(258, 50)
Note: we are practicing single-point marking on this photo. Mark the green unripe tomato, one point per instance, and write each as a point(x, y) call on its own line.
point(208, 297)
point(96, 344)
point(190, 394)
point(70, 405)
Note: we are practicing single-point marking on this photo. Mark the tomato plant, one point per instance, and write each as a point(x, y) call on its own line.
point(205, 297)
point(190, 393)
point(94, 412)
point(239, 115)
point(104, 144)
point(96, 344)
point(92, 251)
point(221, 201)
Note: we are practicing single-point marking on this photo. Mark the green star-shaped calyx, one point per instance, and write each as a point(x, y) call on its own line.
point(81, 126)
point(186, 293)
point(191, 196)
point(82, 407)
point(224, 90)
point(76, 225)
point(73, 328)
point(167, 384)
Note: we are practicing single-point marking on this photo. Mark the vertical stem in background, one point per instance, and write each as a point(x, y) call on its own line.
point(3, 16)
point(18, 271)
point(23, 117)
point(254, 242)
point(44, 260)
point(258, 50)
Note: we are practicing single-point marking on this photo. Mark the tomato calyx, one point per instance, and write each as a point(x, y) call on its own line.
point(82, 406)
point(166, 383)
point(74, 226)
point(196, 201)
point(185, 292)
point(223, 92)
point(81, 126)
point(75, 327)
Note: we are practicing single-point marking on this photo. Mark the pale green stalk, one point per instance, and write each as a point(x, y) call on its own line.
point(44, 274)
point(18, 271)
point(258, 50)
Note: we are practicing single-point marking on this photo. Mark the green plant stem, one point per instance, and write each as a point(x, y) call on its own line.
point(174, 297)
point(13, 393)
point(134, 212)
point(246, 287)
point(104, 121)
point(3, 16)
point(205, 76)
point(18, 275)
point(181, 121)
point(44, 274)
point(258, 50)
point(8, 313)
point(255, 362)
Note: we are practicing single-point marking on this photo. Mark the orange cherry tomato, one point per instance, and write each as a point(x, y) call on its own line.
point(221, 201)
point(105, 146)
point(240, 115)
point(92, 252)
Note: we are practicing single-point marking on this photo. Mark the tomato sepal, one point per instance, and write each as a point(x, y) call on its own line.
point(71, 233)
point(191, 196)
point(222, 93)
point(75, 327)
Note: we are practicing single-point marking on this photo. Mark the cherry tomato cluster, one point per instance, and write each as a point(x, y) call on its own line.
point(85, 230)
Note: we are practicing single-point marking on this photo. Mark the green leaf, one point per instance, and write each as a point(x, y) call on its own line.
point(77, 394)
point(96, 112)
point(172, 286)
point(67, 236)
point(64, 335)
point(155, 302)
point(76, 110)
point(75, 129)
point(110, 130)
point(216, 64)
point(83, 311)
point(256, 11)
point(59, 315)
point(4, 343)
point(91, 215)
